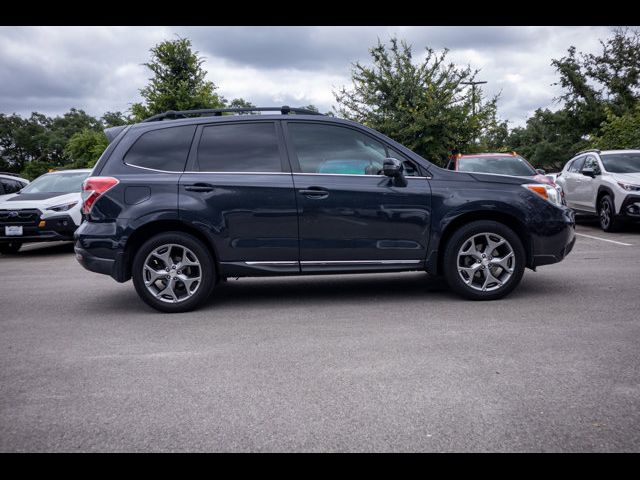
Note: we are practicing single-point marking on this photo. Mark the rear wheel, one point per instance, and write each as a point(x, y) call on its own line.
point(10, 247)
point(607, 214)
point(484, 260)
point(173, 272)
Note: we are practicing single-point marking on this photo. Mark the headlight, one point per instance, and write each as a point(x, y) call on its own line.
point(64, 207)
point(629, 187)
point(546, 192)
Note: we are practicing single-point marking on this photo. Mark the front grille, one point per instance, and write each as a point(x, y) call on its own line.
point(25, 216)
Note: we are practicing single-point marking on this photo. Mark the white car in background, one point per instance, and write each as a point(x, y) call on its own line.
point(47, 209)
point(11, 183)
point(604, 183)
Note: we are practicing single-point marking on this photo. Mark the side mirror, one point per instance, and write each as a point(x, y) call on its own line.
point(589, 172)
point(394, 169)
point(540, 171)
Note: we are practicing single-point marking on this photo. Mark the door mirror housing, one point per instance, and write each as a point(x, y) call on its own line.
point(540, 171)
point(394, 169)
point(589, 172)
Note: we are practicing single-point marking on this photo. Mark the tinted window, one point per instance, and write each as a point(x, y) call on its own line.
point(164, 149)
point(333, 149)
point(505, 165)
point(621, 162)
point(241, 147)
point(577, 164)
point(11, 186)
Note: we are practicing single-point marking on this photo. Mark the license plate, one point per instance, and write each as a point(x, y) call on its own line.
point(13, 231)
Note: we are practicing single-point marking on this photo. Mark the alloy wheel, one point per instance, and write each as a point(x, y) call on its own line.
point(172, 273)
point(486, 261)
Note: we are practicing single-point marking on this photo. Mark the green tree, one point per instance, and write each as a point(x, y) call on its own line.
point(619, 132)
point(85, 147)
point(115, 119)
point(423, 105)
point(178, 81)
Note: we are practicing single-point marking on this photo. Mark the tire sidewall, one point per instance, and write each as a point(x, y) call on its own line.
point(611, 226)
point(206, 263)
point(451, 257)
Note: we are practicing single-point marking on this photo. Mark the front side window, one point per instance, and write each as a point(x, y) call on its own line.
point(592, 163)
point(332, 149)
point(621, 162)
point(165, 149)
point(239, 147)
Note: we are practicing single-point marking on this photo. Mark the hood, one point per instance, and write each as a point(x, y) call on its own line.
point(41, 201)
point(627, 177)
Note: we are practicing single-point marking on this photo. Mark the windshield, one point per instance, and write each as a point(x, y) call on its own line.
point(57, 183)
point(621, 162)
point(498, 164)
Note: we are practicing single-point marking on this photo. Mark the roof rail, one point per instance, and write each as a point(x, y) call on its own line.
point(172, 114)
point(596, 150)
point(11, 174)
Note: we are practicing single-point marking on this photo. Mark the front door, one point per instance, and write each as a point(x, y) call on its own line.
point(351, 217)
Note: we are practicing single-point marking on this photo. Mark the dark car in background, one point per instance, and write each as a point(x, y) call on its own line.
point(184, 200)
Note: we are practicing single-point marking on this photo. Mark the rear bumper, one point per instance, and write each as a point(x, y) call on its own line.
point(106, 266)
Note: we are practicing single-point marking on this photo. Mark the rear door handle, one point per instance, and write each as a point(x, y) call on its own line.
point(199, 187)
point(314, 192)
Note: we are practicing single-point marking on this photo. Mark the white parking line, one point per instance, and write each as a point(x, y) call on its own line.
point(605, 240)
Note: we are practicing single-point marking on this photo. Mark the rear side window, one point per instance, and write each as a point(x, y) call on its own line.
point(165, 149)
point(239, 147)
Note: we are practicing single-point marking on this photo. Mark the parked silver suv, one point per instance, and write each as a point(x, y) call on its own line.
point(605, 183)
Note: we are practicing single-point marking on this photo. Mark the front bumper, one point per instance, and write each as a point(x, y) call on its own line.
point(554, 239)
point(36, 229)
point(631, 207)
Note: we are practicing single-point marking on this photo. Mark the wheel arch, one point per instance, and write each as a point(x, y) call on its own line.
point(602, 191)
point(152, 228)
point(505, 218)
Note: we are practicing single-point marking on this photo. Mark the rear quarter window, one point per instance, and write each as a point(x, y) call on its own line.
point(164, 149)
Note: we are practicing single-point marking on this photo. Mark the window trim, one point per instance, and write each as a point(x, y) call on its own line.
point(192, 160)
point(134, 142)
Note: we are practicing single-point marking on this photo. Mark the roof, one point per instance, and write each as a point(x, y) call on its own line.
point(487, 155)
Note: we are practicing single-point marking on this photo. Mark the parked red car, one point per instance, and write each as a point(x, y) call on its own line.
point(498, 163)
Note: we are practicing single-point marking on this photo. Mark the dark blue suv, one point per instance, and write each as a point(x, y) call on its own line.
point(184, 200)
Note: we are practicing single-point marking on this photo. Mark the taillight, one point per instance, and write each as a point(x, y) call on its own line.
point(93, 188)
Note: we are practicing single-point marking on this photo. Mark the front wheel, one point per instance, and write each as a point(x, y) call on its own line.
point(606, 214)
point(10, 247)
point(173, 272)
point(484, 260)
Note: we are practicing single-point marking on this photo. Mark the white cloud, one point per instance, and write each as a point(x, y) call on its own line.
point(51, 69)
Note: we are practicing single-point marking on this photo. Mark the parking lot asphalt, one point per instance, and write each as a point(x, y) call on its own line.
point(392, 362)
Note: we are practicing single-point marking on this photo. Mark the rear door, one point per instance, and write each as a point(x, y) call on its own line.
point(351, 216)
point(238, 184)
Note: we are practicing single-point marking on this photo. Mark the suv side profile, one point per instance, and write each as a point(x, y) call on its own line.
point(182, 201)
point(605, 183)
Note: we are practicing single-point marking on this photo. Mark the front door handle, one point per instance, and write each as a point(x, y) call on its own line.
point(199, 187)
point(314, 192)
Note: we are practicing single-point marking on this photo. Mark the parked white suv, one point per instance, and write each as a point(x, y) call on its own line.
point(47, 209)
point(605, 183)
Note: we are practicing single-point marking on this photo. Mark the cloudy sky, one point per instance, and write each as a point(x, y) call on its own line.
point(99, 69)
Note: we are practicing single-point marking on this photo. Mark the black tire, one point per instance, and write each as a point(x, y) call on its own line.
point(206, 270)
point(607, 214)
point(10, 247)
point(461, 238)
